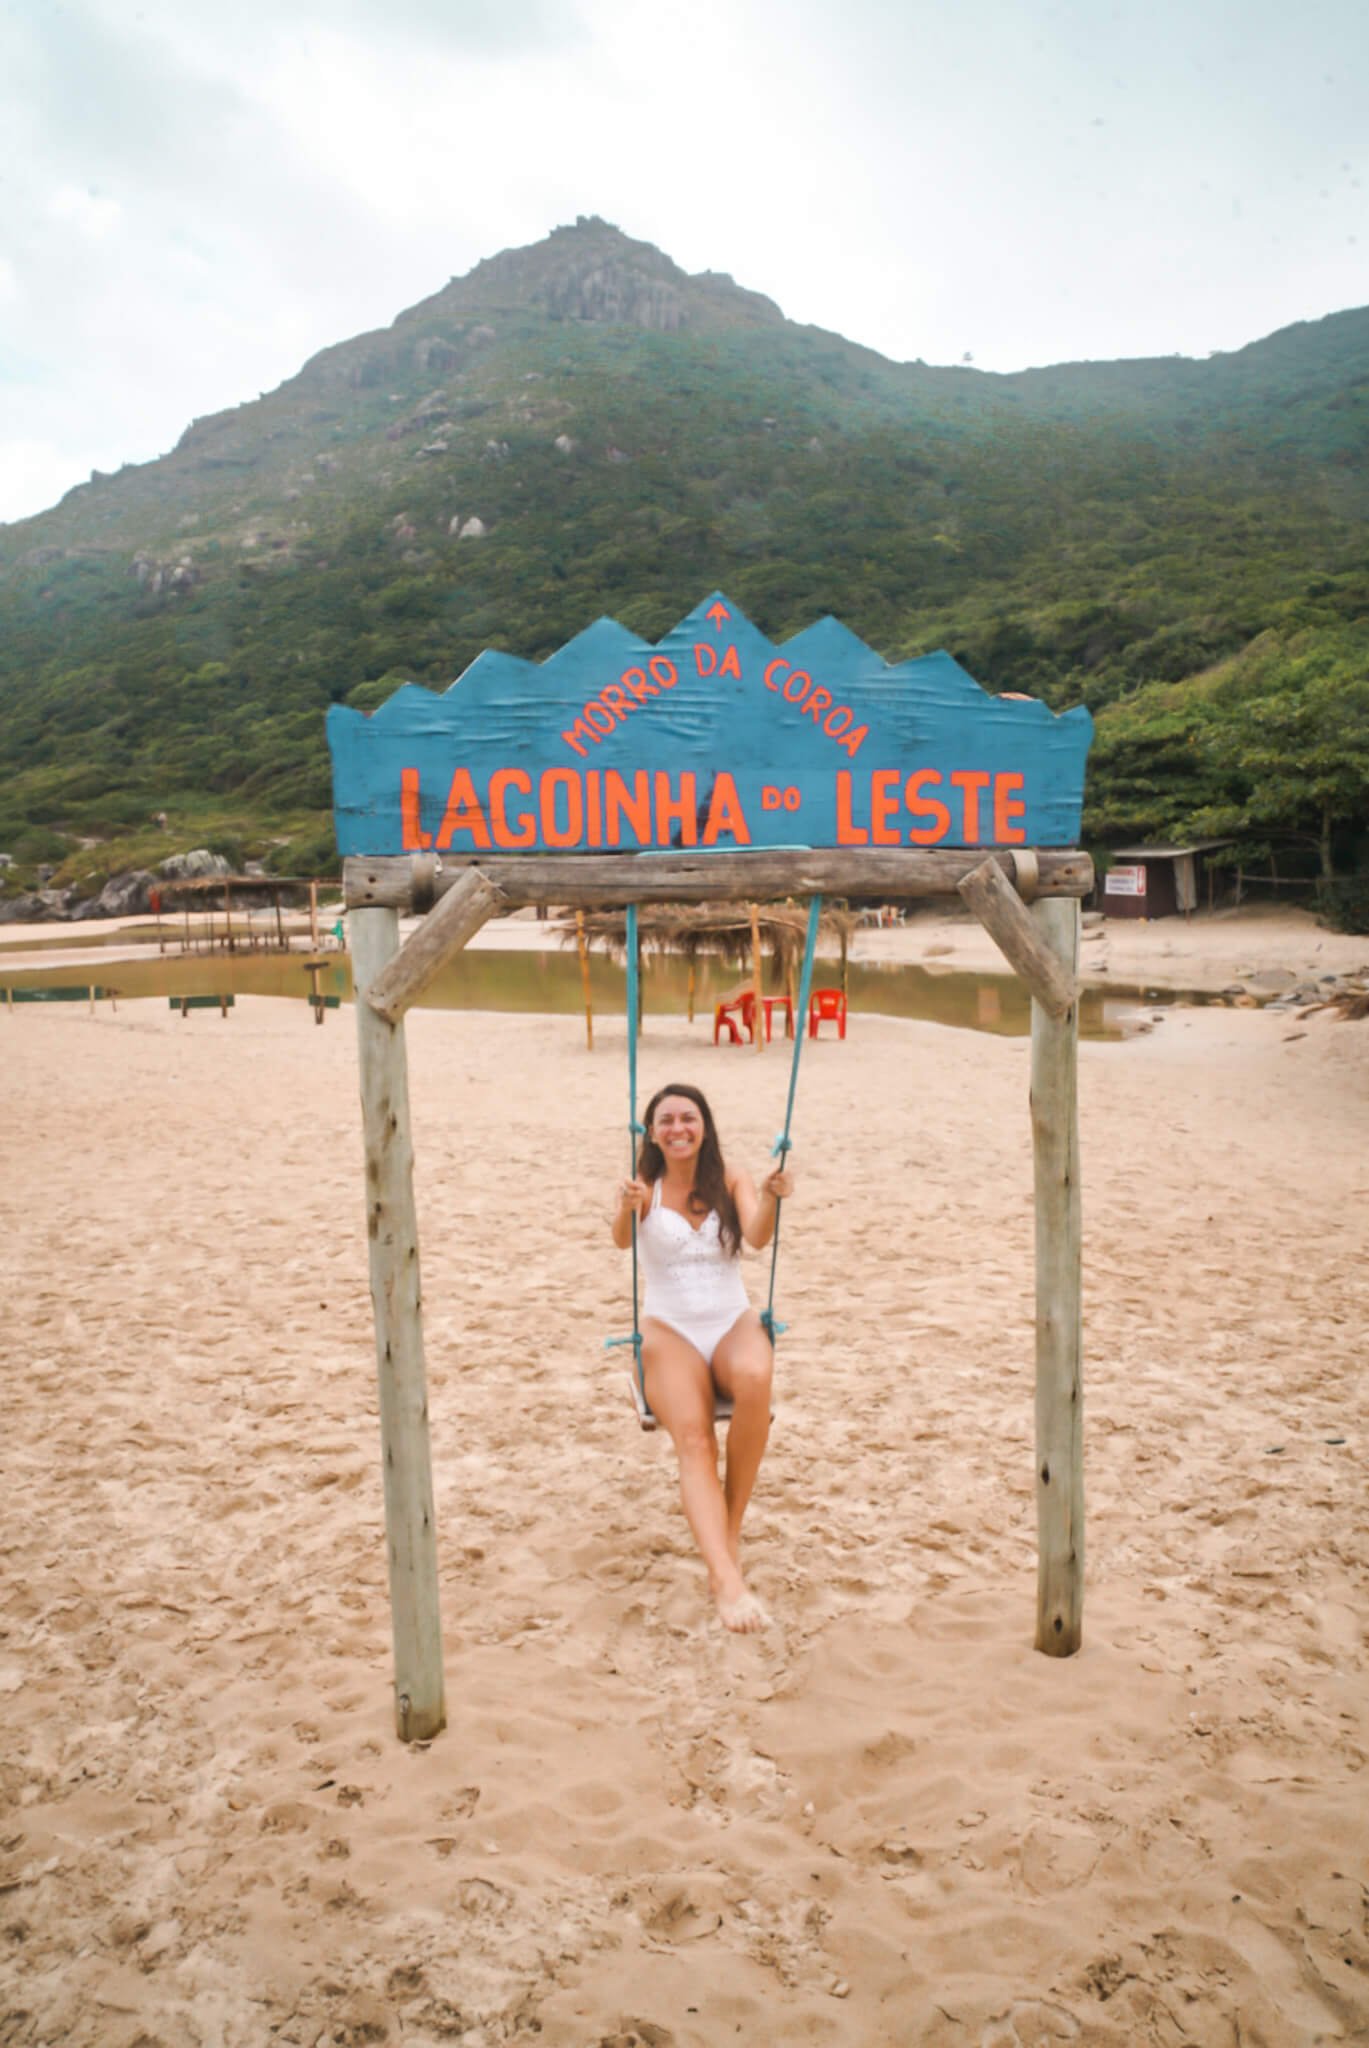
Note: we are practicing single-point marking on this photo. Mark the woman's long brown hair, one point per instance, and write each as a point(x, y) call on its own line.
point(710, 1190)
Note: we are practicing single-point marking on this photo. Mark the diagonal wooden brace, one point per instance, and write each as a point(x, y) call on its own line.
point(999, 908)
point(453, 920)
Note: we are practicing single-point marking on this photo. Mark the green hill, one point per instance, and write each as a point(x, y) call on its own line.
point(580, 428)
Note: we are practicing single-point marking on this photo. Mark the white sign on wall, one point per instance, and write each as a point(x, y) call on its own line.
point(1125, 882)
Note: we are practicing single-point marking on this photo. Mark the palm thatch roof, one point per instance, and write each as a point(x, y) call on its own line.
point(1351, 1004)
point(717, 930)
point(242, 885)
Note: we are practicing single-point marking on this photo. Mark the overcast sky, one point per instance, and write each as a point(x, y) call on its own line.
point(196, 196)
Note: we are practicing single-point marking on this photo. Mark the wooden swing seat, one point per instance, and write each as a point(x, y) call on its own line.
point(722, 1405)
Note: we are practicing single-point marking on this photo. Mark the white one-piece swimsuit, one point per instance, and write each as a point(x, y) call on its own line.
point(691, 1282)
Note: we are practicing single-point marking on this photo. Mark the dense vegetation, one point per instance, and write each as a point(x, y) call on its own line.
point(1177, 544)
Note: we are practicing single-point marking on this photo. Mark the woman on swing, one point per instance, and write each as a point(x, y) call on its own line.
point(699, 1330)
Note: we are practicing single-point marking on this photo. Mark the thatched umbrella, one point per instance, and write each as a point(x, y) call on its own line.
point(736, 932)
point(252, 891)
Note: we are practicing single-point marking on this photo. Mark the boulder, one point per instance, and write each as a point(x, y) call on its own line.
point(30, 908)
point(435, 354)
point(123, 895)
point(473, 529)
point(189, 867)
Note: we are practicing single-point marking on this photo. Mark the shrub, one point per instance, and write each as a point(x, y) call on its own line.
point(1344, 902)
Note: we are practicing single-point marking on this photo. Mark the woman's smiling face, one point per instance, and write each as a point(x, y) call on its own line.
point(678, 1126)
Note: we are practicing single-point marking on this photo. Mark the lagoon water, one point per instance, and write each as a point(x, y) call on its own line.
point(550, 983)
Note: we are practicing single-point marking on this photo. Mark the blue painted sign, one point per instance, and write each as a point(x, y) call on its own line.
point(713, 738)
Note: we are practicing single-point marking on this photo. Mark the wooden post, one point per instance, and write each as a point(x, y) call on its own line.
point(1059, 1329)
point(313, 916)
point(584, 978)
point(757, 992)
point(392, 1228)
point(691, 987)
point(280, 928)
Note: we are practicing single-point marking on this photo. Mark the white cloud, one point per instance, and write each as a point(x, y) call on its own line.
point(91, 213)
point(34, 473)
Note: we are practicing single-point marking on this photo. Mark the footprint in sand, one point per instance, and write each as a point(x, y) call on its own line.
point(1055, 1859)
point(1030, 2023)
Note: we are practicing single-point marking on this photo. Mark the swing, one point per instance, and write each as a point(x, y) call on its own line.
point(722, 1409)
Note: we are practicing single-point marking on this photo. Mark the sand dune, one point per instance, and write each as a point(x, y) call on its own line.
point(886, 1820)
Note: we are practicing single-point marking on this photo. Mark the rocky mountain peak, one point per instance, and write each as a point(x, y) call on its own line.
point(593, 272)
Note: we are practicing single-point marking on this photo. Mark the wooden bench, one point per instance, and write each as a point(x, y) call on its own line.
point(77, 992)
point(223, 1004)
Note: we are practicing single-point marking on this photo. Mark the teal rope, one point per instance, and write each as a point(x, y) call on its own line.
point(634, 1131)
point(784, 1143)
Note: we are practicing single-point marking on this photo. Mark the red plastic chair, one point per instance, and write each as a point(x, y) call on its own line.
point(736, 1015)
point(826, 1006)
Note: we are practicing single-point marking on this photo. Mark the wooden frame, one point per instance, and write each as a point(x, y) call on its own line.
point(1028, 901)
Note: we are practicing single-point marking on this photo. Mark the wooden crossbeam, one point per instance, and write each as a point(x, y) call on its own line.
point(595, 881)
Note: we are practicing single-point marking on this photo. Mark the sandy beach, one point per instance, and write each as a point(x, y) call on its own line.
point(885, 1820)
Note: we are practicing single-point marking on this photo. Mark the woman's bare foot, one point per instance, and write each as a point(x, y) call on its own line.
point(740, 1610)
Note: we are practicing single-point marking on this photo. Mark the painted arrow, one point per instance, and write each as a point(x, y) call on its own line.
point(718, 613)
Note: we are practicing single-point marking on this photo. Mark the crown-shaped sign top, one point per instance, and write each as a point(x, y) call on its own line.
point(713, 737)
